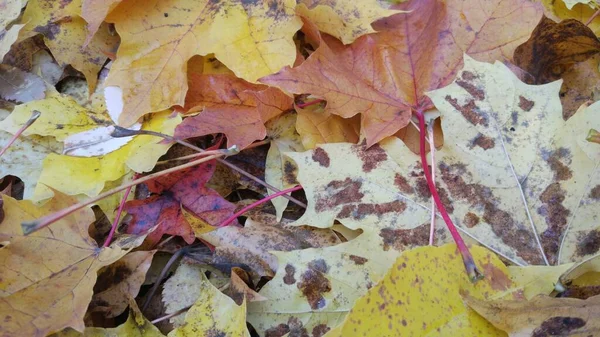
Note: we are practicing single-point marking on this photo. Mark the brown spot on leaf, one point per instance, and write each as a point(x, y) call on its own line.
point(483, 142)
point(595, 192)
point(512, 233)
point(475, 92)
point(320, 330)
point(496, 277)
point(49, 31)
point(561, 171)
point(371, 157)
point(555, 215)
point(321, 157)
point(400, 239)
point(289, 173)
point(289, 274)
point(558, 326)
point(111, 276)
point(294, 327)
point(525, 104)
point(470, 220)
point(468, 76)
point(423, 188)
point(469, 111)
point(589, 243)
point(361, 210)
point(214, 332)
point(580, 292)
point(314, 283)
point(358, 259)
point(403, 184)
point(339, 192)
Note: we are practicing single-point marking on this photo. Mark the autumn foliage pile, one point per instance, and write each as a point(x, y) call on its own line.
point(299, 168)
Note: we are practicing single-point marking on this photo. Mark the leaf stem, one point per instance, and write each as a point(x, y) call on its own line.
point(173, 314)
point(256, 203)
point(29, 227)
point(305, 104)
point(472, 271)
point(432, 155)
point(113, 228)
point(592, 17)
point(34, 116)
point(122, 132)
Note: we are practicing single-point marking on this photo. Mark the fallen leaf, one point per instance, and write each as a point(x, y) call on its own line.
point(317, 126)
point(136, 326)
point(365, 77)
point(231, 106)
point(579, 11)
point(284, 138)
point(590, 3)
point(239, 290)
point(19, 86)
point(581, 86)
point(213, 314)
point(183, 188)
point(50, 290)
point(183, 290)
point(94, 12)
point(152, 73)
point(11, 9)
point(542, 316)
point(530, 188)
point(581, 280)
point(536, 280)
point(120, 281)
point(345, 20)
point(421, 295)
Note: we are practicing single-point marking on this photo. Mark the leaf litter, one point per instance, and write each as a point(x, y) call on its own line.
point(322, 99)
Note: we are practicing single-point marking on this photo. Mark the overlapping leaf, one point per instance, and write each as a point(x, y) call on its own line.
point(385, 75)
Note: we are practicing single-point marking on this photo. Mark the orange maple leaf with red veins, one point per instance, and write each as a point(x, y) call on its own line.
point(186, 189)
point(231, 106)
point(384, 76)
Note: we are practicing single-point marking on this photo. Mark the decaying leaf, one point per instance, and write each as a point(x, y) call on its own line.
point(19, 86)
point(580, 12)
point(421, 296)
point(581, 280)
point(534, 173)
point(120, 281)
point(232, 106)
point(383, 76)
point(8, 35)
point(151, 70)
point(50, 290)
point(542, 316)
point(186, 189)
point(213, 314)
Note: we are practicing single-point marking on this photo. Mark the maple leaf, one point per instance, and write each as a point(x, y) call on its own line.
point(383, 76)
point(231, 106)
point(542, 316)
point(186, 189)
point(420, 277)
point(152, 73)
point(51, 291)
point(534, 173)
point(319, 126)
point(64, 33)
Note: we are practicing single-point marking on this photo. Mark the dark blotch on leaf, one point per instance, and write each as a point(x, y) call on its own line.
point(483, 142)
point(320, 330)
point(111, 276)
point(558, 326)
point(321, 157)
point(358, 259)
point(469, 111)
point(403, 184)
point(525, 104)
point(470, 220)
point(589, 243)
point(595, 192)
point(339, 192)
point(371, 157)
point(289, 274)
point(314, 283)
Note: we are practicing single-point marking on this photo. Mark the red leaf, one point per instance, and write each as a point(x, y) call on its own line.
point(185, 188)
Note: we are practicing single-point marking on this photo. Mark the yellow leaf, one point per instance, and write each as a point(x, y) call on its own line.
point(579, 11)
point(421, 296)
point(536, 280)
point(542, 316)
point(284, 138)
point(65, 34)
point(346, 20)
point(89, 175)
point(47, 278)
point(252, 39)
point(571, 3)
point(136, 326)
point(213, 314)
point(10, 11)
point(520, 177)
point(320, 127)
point(581, 275)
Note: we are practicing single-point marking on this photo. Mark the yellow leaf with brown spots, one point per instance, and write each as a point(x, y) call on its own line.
point(421, 296)
point(65, 33)
point(47, 278)
point(346, 20)
point(252, 38)
point(542, 316)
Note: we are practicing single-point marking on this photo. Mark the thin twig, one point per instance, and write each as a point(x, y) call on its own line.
point(29, 227)
point(163, 273)
point(432, 156)
point(472, 271)
point(256, 203)
point(592, 17)
point(122, 132)
point(34, 116)
point(113, 228)
point(180, 311)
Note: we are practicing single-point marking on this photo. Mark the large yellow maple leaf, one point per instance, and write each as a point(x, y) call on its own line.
point(47, 278)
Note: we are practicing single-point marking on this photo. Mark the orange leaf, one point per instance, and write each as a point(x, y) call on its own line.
point(382, 76)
